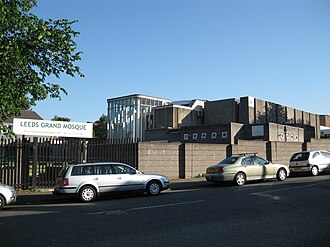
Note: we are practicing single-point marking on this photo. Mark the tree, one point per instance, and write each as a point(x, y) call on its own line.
point(58, 118)
point(33, 54)
point(100, 127)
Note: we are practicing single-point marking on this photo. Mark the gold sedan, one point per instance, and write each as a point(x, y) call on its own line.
point(245, 167)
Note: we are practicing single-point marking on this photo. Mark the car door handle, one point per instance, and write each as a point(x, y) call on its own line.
point(119, 178)
point(96, 179)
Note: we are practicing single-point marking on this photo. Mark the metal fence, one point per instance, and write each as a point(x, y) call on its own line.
point(35, 163)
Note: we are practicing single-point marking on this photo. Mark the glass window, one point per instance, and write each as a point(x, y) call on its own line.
point(122, 169)
point(259, 160)
point(315, 155)
point(82, 170)
point(325, 154)
point(229, 160)
point(247, 161)
point(300, 156)
point(103, 169)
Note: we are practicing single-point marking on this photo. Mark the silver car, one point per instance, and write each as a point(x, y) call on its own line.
point(310, 161)
point(87, 181)
point(7, 195)
point(245, 167)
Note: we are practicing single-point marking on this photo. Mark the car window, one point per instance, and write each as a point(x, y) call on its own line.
point(315, 155)
point(300, 156)
point(122, 169)
point(247, 161)
point(259, 160)
point(229, 160)
point(82, 170)
point(325, 154)
point(63, 172)
point(103, 169)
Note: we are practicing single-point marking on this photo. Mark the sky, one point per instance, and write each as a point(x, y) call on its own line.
point(274, 50)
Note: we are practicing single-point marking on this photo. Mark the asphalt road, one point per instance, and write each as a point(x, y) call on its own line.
point(290, 213)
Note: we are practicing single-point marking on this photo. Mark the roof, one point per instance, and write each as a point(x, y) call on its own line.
point(28, 114)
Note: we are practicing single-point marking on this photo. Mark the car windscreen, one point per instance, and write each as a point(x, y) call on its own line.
point(300, 156)
point(229, 160)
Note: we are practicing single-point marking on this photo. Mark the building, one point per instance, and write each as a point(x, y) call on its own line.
point(129, 116)
point(28, 114)
point(220, 121)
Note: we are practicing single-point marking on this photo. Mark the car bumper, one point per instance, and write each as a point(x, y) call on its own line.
point(11, 200)
point(166, 185)
point(64, 191)
point(217, 177)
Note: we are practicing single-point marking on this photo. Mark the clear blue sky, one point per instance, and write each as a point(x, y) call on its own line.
point(275, 50)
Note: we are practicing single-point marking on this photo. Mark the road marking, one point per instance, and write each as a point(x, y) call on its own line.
point(124, 211)
point(277, 198)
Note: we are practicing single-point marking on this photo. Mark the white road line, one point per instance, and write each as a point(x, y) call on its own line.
point(144, 208)
point(291, 188)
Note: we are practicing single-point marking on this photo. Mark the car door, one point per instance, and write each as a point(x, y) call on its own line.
point(127, 178)
point(326, 160)
point(252, 170)
point(267, 170)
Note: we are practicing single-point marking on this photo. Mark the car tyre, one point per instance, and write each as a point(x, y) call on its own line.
point(240, 179)
point(153, 188)
point(87, 194)
point(281, 174)
point(315, 170)
point(2, 201)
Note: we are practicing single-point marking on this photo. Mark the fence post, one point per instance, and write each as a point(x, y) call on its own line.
point(35, 161)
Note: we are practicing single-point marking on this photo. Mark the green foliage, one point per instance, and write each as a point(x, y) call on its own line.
point(58, 118)
point(100, 127)
point(33, 53)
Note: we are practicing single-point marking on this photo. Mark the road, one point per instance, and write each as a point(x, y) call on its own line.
point(290, 213)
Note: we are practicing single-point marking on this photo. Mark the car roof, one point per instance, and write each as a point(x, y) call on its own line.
point(99, 163)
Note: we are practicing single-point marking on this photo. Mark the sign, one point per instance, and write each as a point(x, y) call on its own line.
point(52, 128)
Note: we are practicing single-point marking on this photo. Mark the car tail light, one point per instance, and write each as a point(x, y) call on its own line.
point(221, 169)
point(65, 182)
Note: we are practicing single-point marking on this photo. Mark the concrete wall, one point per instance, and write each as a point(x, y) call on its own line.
point(315, 144)
point(244, 146)
point(325, 120)
point(159, 158)
point(199, 156)
point(281, 152)
point(190, 159)
point(220, 111)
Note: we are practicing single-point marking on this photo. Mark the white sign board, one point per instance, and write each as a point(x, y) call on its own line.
point(52, 128)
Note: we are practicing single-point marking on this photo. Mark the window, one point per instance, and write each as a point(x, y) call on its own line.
point(195, 136)
point(214, 135)
point(300, 156)
point(229, 160)
point(315, 155)
point(122, 169)
point(82, 170)
point(325, 154)
point(103, 169)
point(247, 161)
point(260, 161)
point(203, 136)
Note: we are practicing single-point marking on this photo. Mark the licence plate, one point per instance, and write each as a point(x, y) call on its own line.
point(212, 169)
point(297, 169)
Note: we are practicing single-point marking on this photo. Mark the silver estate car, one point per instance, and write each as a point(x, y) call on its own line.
point(310, 161)
point(87, 181)
point(7, 195)
point(244, 167)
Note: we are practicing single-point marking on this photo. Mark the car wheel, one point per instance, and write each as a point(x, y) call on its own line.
point(281, 174)
point(2, 201)
point(315, 170)
point(153, 188)
point(240, 179)
point(87, 194)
